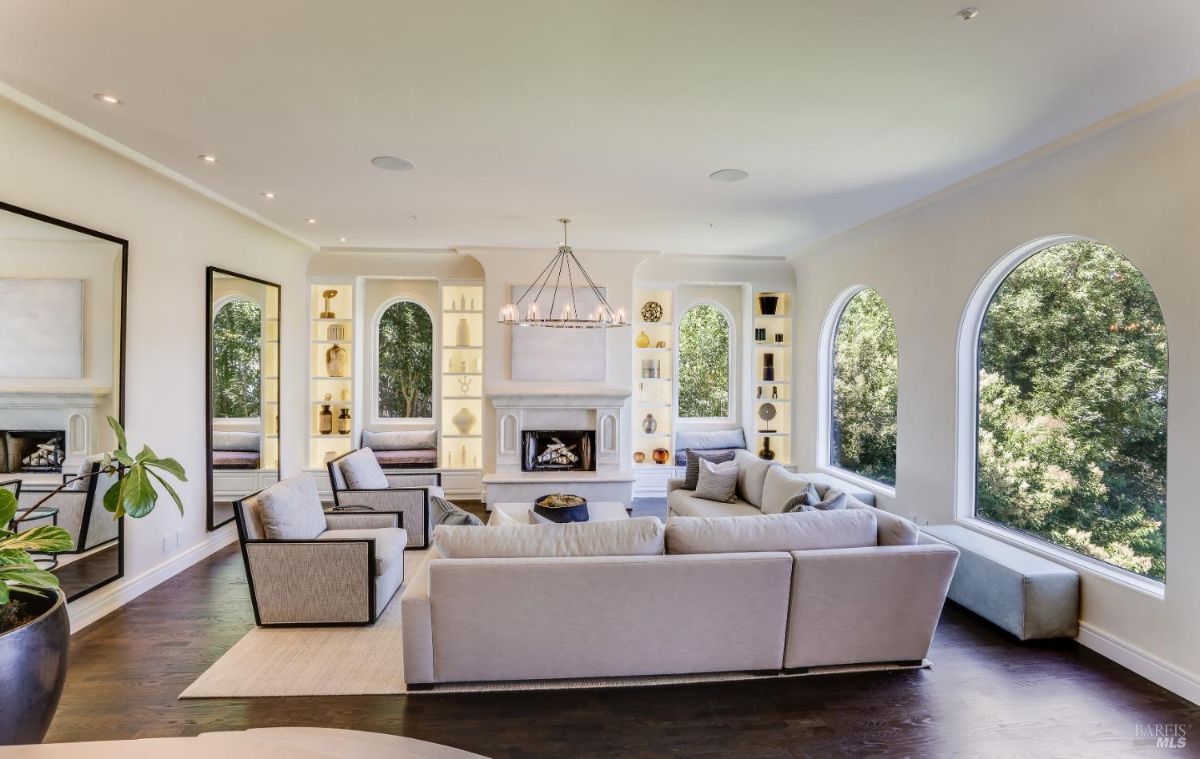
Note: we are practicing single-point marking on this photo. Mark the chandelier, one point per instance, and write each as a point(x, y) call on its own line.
point(563, 311)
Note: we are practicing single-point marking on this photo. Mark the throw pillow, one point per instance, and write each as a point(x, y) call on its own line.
point(361, 471)
point(693, 465)
point(717, 482)
point(813, 499)
point(442, 511)
point(291, 509)
point(806, 496)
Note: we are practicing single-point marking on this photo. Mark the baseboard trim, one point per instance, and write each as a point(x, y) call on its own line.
point(1135, 659)
point(113, 596)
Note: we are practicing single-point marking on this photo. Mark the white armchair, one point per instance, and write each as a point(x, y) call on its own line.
point(404, 492)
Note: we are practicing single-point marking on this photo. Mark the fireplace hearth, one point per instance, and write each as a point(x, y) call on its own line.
point(558, 451)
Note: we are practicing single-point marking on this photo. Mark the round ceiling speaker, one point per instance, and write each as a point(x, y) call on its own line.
point(728, 175)
point(391, 163)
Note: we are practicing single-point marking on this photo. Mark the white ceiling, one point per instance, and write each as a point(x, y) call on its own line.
point(613, 113)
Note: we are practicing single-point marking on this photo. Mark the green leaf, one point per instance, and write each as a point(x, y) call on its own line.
point(170, 490)
point(146, 455)
point(48, 539)
point(8, 506)
point(137, 492)
point(30, 577)
point(3, 593)
point(123, 458)
point(15, 556)
point(120, 431)
point(170, 465)
point(112, 499)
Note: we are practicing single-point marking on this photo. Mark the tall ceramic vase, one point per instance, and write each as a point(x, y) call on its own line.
point(464, 420)
point(463, 333)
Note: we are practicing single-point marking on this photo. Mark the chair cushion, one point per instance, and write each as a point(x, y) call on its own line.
point(442, 511)
point(642, 536)
point(400, 440)
point(389, 544)
point(361, 471)
point(692, 475)
point(291, 509)
point(717, 482)
point(797, 531)
point(752, 475)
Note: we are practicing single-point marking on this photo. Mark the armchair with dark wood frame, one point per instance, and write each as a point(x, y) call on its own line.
point(407, 492)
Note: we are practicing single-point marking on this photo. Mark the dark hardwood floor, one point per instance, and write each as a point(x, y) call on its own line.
point(986, 696)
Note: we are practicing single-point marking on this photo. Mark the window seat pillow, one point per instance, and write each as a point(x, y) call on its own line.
point(795, 531)
point(714, 441)
point(400, 440)
point(642, 536)
point(229, 440)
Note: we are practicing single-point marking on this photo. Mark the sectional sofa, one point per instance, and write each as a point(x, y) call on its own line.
point(697, 595)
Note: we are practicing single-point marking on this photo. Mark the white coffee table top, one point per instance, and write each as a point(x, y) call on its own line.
point(598, 511)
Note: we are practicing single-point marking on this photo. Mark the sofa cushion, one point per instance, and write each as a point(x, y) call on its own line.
point(752, 475)
point(442, 511)
point(692, 474)
point(389, 544)
point(642, 536)
point(684, 503)
point(400, 440)
point(291, 509)
point(361, 471)
point(797, 531)
point(717, 482)
point(893, 530)
point(778, 488)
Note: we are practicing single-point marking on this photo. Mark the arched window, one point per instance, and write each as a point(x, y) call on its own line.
point(1071, 405)
point(405, 362)
point(863, 388)
point(704, 363)
point(237, 360)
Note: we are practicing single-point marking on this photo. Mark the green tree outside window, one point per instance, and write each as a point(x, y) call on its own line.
point(237, 360)
point(704, 363)
point(1072, 442)
point(405, 362)
point(863, 418)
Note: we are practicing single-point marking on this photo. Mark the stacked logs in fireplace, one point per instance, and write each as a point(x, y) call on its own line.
point(32, 450)
point(558, 451)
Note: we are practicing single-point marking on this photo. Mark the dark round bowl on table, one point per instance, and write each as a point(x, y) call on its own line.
point(573, 509)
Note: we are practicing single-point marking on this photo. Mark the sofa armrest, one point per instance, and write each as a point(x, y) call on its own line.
point(416, 619)
point(412, 502)
point(305, 582)
point(675, 483)
point(861, 605)
point(352, 519)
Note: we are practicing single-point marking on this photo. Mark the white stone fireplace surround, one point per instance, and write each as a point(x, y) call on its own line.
point(599, 410)
point(79, 412)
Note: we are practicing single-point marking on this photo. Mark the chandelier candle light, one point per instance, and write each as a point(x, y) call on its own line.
point(563, 311)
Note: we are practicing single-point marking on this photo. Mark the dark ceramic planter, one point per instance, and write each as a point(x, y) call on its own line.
point(33, 666)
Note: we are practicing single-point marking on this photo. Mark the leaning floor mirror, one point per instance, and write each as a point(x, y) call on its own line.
point(62, 359)
point(243, 389)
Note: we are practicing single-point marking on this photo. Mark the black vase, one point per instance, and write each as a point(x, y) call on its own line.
point(768, 304)
point(768, 367)
point(33, 666)
point(765, 452)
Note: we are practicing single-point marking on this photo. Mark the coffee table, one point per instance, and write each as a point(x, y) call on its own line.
point(598, 511)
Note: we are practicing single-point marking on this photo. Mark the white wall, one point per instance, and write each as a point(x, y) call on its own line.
point(173, 233)
point(1133, 185)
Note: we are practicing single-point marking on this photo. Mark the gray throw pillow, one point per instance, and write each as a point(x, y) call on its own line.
point(803, 497)
point(291, 509)
point(813, 499)
point(692, 474)
point(717, 482)
point(442, 511)
point(361, 471)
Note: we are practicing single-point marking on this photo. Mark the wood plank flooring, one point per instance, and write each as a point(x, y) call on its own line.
point(986, 696)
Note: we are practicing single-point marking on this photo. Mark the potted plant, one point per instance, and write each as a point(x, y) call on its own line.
point(34, 630)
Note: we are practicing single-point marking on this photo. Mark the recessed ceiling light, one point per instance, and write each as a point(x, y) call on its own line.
point(106, 98)
point(728, 175)
point(207, 158)
point(341, 239)
point(391, 163)
point(311, 221)
point(967, 14)
point(268, 194)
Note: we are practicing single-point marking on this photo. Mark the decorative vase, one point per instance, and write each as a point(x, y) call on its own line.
point(661, 455)
point(344, 422)
point(779, 337)
point(335, 332)
point(765, 452)
point(767, 304)
point(345, 393)
point(760, 334)
point(768, 367)
point(325, 421)
point(463, 333)
point(464, 420)
point(643, 340)
point(661, 344)
point(649, 424)
point(33, 665)
point(462, 302)
point(335, 361)
point(639, 457)
point(328, 295)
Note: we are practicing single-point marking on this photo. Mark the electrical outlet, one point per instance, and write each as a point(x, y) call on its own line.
point(178, 538)
point(166, 543)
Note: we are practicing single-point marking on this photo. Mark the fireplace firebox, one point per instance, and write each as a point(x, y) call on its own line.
point(32, 450)
point(558, 451)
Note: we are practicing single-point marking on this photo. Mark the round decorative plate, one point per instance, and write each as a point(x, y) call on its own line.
point(652, 311)
point(766, 412)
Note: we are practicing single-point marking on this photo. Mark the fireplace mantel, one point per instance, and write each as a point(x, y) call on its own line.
point(53, 397)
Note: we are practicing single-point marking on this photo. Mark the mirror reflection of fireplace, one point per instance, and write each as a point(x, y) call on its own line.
point(558, 451)
point(31, 451)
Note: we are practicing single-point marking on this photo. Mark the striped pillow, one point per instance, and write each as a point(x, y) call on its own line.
point(692, 474)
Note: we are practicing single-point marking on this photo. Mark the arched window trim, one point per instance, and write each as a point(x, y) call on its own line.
point(372, 363)
point(221, 303)
point(833, 317)
point(967, 418)
point(731, 416)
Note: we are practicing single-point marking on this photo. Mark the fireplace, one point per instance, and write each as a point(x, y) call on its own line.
point(32, 450)
point(558, 451)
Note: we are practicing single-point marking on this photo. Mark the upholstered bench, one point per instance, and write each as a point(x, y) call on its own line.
point(1015, 590)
